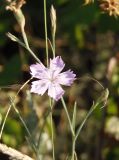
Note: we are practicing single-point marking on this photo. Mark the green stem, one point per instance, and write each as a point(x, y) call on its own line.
point(85, 119)
point(3, 124)
point(42, 127)
point(80, 128)
point(16, 110)
point(53, 42)
point(8, 111)
point(24, 124)
point(52, 130)
point(70, 124)
point(73, 137)
point(27, 45)
point(46, 38)
point(73, 148)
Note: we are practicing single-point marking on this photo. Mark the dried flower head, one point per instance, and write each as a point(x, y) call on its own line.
point(88, 2)
point(110, 6)
point(14, 5)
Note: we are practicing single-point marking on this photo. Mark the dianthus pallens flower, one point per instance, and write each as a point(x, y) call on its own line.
point(51, 78)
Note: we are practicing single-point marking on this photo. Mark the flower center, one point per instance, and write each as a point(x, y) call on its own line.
point(52, 77)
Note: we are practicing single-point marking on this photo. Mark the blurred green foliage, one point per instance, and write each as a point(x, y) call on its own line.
point(12, 71)
point(13, 136)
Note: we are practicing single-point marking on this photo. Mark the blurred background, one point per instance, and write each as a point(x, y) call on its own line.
point(88, 41)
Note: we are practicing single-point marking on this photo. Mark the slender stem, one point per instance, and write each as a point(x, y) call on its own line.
point(3, 124)
point(73, 148)
point(52, 130)
point(53, 42)
point(20, 117)
point(16, 110)
point(72, 129)
point(23, 122)
point(24, 37)
point(85, 119)
point(53, 150)
point(74, 138)
point(51, 46)
point(38, 157)
point(27, 45)
point(8, 111)
point(42, 127)
point(70, 124)
point(46, 38)
point(41, 130)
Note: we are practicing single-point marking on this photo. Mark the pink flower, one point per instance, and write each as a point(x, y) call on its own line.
point(51, 78)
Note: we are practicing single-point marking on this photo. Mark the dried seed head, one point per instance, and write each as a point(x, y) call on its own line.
point(15, 7)
point(53, 19)
point(110, 6)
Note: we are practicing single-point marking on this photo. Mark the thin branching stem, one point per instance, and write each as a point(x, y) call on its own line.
point(46, 37)
point(12, 100)
point(42, 127)
point(68, 117)
point(4, 121)
point(53, 42)
point(73, 149)
point(27, 45)
point(52, 128)
point(8, 111)
point(85, 119)
point(73, 137)
point(23, 122)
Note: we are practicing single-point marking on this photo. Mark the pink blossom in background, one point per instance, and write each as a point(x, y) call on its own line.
point(51, 78)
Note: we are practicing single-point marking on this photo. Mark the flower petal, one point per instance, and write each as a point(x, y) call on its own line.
point(39, 87)
point(38, 70)
point(66, 78)
point(57, 64)
point(55, 91)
